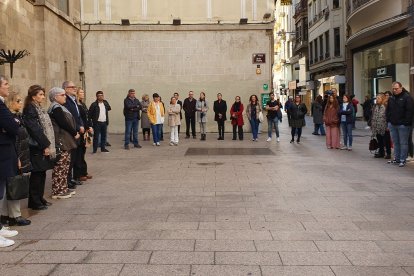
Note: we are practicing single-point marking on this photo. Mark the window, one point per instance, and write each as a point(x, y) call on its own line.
point(321, 47)
point(315, 48)
point(335, 4)
point(311, 52)
point(337, 42)
point(327, 48)
point(63, 5)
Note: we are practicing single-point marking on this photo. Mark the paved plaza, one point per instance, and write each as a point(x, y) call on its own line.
point(266, 209)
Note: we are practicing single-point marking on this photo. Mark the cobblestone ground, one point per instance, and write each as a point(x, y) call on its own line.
point(305, 210)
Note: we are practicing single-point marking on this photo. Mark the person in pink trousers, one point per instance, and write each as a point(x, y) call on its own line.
point(331, 120)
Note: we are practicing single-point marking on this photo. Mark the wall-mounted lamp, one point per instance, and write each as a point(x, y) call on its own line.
point(243, 21)
point(177, 21)
point(12, 57)
point(125, 22)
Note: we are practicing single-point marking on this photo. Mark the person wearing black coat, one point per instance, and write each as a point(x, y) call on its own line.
point(80, 168)
point(132, 106)
point(189, 107)
point(11, 213)
point(100, 121)
point(220, 110)
point(41, 145)
point(72, 105)
point(296, 116)
point(8, 158)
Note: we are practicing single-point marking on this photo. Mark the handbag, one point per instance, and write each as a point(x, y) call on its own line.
point(373, 144)
point(18, 186)
point(87, 139)
point(261, 119)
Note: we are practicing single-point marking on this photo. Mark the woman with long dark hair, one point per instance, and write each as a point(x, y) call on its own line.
point(331, 120)
point(236, 115)
point(253, 110)
point(297, 111)
point(346, 112)
point(41, 145)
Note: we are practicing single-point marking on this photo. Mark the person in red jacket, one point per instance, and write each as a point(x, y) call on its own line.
point(236, 115)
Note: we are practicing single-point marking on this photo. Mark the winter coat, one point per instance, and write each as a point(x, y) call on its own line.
point(152, 112)
point(22, 146)
point(296, 114)
point(145, 122)
point(330, 117)
point(249, 111)
point(189, 107)
point(237, 116)
point(378, 120)
point(317, 113)
point(94, 111)
point(400, 109)
point(348, 112)
point(202, 108)
point(174, 115)
point(220, 108)
point(132, 108)
point(64, 126)
point(73, 108)
point(367, 109)
point(9, 128)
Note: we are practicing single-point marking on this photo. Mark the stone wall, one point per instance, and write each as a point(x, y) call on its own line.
point(50, 36)
point(168, 60)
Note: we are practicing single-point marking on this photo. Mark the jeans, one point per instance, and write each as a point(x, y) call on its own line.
point(270, 123)
point(347, 132)
point(319, 127)
point(100, 129)
point(131, 124)
point(255, 127)
point(155, 133)
point(399, 135)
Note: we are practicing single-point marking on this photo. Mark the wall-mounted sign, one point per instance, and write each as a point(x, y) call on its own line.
point(292, 84)
point(265, 86)
point(259, 58)
point(285, 2)
point(382, 71)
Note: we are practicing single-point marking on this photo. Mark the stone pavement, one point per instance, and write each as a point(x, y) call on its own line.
point(304, 210)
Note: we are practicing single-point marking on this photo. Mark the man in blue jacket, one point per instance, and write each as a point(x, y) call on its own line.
point(8, 159)
point(400, 118)
point(132, 106)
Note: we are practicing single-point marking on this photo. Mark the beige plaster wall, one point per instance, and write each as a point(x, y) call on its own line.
point(175, 61)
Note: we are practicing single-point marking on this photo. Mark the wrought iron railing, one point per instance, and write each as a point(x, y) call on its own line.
point(301, 7)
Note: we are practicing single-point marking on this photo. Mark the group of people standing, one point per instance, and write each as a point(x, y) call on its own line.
point(34, 140)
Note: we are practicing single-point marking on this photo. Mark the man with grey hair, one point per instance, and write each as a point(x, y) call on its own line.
point(72, 106)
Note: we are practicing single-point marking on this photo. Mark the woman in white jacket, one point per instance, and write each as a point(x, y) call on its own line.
point(174, 121)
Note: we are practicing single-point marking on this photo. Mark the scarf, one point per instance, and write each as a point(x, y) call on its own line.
point(236, 107)
point(55, 105)
point(47, 128)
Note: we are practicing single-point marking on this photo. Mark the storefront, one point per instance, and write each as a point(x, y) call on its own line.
point(376, 67)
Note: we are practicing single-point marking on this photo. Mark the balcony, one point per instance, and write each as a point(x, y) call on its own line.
point(300, 44)
point(355, 4)
point(301, 8)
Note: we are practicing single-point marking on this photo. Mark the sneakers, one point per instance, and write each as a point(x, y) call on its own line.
point(393, 162)
point(158, 144)
point(344, 148)
point(269, 139)
point(402, 164)
point(154, 144)
point(171, 143)
point(277, 139)
point(104, 150)
point(138, 146)
point(62, 196)
point(5, 242)
point(349, 148)
point(5, 232)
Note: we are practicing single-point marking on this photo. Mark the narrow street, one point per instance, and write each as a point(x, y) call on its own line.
point(253, 208)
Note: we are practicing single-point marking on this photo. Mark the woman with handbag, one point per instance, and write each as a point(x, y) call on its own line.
point(10, 212)
point(64, 126)
point(253, 112)
point(297, 111)
point(236, 115)
point(41, 145)
point(201, 109)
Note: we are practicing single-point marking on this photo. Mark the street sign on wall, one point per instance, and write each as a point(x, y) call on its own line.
point(285, 2)
point(259, 58)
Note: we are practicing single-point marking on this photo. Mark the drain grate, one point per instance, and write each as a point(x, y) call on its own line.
point(228, 151)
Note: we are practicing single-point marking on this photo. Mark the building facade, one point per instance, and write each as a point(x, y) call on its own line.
point(327, 45)
point(153, 46)
point(380, 46)
point(48, 30)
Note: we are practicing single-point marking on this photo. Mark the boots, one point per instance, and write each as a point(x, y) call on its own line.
point(148, 136)
point(203, 137)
